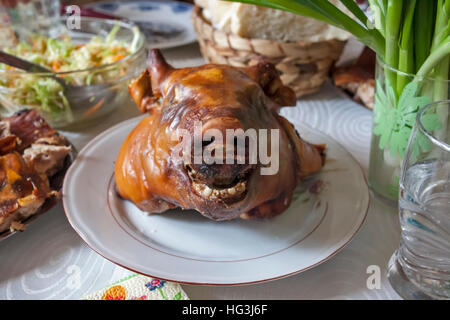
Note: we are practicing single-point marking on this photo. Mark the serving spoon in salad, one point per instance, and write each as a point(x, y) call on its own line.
point(71, 92)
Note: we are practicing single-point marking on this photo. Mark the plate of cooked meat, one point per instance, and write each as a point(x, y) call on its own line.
point(212, 185)
point(33, 160)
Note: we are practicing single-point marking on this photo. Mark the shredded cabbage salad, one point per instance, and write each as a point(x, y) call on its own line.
point(61, 55)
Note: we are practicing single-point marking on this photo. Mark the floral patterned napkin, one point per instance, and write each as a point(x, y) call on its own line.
point(139, 287)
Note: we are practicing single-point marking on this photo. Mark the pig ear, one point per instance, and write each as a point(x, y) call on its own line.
point(159, 70)
point(146, 89)
point(141, 91)
point(267, 76)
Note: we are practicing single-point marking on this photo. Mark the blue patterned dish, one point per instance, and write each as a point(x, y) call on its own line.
point(165, 24)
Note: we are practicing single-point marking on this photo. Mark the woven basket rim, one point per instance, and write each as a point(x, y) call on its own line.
point(198, 15)
point(293, 60)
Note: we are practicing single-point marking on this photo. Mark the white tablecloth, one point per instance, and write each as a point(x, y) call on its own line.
point(50, 261)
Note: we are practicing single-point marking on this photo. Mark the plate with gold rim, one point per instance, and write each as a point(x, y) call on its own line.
point(182, 246)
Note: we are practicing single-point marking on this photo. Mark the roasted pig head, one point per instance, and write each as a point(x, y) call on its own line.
point(227, 114)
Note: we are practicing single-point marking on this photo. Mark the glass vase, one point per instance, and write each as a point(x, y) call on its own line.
point(398, 97)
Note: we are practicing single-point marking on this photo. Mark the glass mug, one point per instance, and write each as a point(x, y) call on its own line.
point(40, 16)
point(420, 268)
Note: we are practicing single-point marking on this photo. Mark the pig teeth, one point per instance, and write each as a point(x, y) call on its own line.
point(206, 192)
point(202, 190)
point(214, 194)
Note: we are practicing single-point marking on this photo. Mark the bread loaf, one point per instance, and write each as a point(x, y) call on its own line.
point(257, 22)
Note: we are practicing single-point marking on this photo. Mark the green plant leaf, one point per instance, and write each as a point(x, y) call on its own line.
point(408, 92)
point(423, 143)
point(356, 10)
point(399, 141)
point(431, 122)
point(409, 102)
point(385, 127)
point(409, 119)
point(380, 102)
point(392, 97)
point(394, 122)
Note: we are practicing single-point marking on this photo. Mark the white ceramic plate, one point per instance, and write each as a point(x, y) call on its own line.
point(166, 24)
point(185, 247)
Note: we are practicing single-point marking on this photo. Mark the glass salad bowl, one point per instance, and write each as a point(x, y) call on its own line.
point(98, 58)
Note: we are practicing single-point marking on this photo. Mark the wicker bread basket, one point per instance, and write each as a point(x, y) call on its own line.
point(303, 66)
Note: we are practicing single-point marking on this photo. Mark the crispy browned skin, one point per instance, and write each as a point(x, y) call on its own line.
point(30, 152)
point(28, 126)
point(22, 190)
point(222, 97)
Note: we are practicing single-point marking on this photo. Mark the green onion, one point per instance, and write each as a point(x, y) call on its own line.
point(423, 30)
point(393, 22)
point(379, 11)
point(406, 46)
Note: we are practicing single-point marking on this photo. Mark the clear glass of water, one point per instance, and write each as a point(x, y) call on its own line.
point(40, 16)
point(420, 268)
